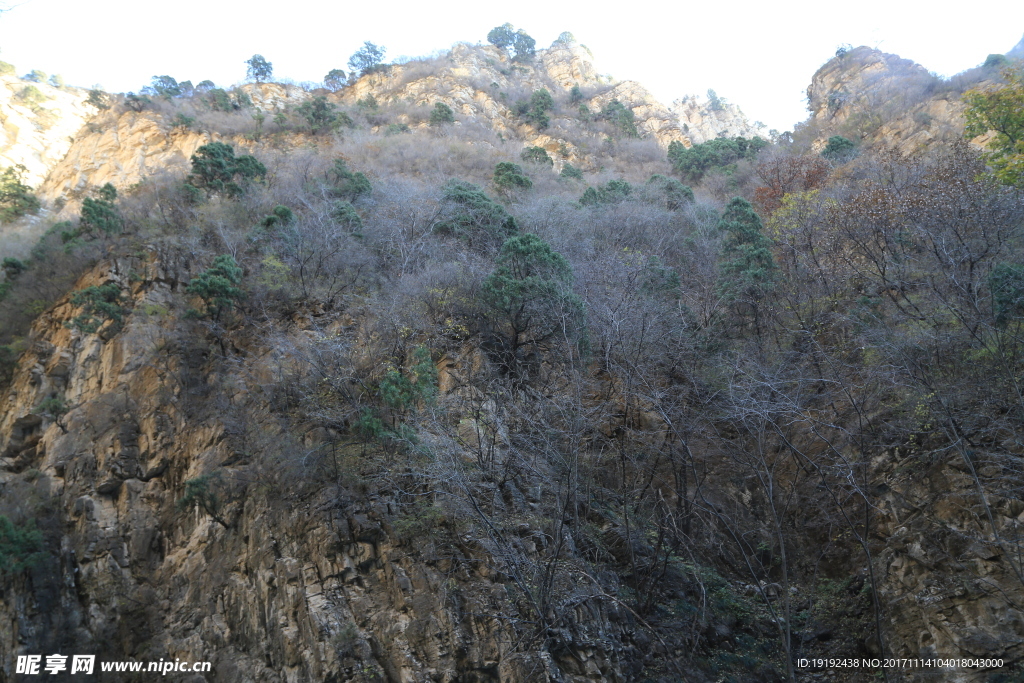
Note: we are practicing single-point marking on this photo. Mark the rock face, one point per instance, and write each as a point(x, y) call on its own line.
point(869, 95)
point(121, 150)
point(39, 124)
point(264, 590)
point(704, 120)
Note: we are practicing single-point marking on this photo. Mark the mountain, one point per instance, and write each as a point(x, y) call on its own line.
point(445, 375)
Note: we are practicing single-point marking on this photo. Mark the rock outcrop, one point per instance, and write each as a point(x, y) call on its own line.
point(40, 124)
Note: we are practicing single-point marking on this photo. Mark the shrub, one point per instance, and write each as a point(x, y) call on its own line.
point(348, 185)
point(136, 102)
point(100, 215)
point(13, 267)
point(441, 114)
point(99, 304)
point(575, 95)
point(201, 492)
point(509, 177)
point(475, 216)
point(396, 129)
point(217, 286)
point(16, 198)
point(215, 168)
point(36, 76)
point(622, 116)
point(535, 109)
point(320, 114)
point(345, 214)
point(570, 171)
point(98, 99)
point(536, 155)
point(613, 192)
point(995, 61)
point(676, 194)
point(6, 69)
point(720, 154)
point(31, 96)
point(839, 149)
point(182, 121)
point(56, 80)
point(20, 546)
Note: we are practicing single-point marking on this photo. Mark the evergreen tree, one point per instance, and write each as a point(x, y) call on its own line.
point(260, 70)
point(217, 286)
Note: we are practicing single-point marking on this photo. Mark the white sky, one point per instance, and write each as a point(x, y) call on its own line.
point(758, 55)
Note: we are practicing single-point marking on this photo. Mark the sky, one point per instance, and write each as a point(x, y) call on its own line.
point(758, 55)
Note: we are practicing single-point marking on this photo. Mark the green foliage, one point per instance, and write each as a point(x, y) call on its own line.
point(99, 304)
point(217, 286)
point(839, 149)
point(279, 216)
point(31, 96)
point(335, 80)
point(536, 155)
point(99, 216)
point(509, 177)
point(98, 99)
point(507, 38)
point(20, 546)
point(6, 69)
point(202, 492)
point(1006, 282)
point(995, 61)
point(345, 214)
point(502, 37)
point(13, 267)
point(136, 102)
point(714, 101)
point(622, 116)
point(367, 59)
point(182, 121)
point(54, 406)
point(396, 129)
point(1000, 109)
point(748, 268)
point(56, 80)
point(16, 198)
point(368, 102)
point(258, 69)
point(215, 168)
point(441, 114)
point(720, 154)
point(575, 95)
point(535, 109)
point(320, 114)
point(676, 194)
point(613, 192)
point(348, 185)
point(570, 171)
point(476, 216)
point(163, 86)
point(36, 76)
point(529, 296)
point(402, 391)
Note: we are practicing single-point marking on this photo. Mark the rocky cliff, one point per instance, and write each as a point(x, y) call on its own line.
point(40, 124)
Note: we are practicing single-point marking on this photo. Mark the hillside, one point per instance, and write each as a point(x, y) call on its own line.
point(494, 370)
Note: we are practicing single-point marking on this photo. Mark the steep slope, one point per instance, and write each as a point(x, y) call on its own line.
point(40, 124)
point(865, 94)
